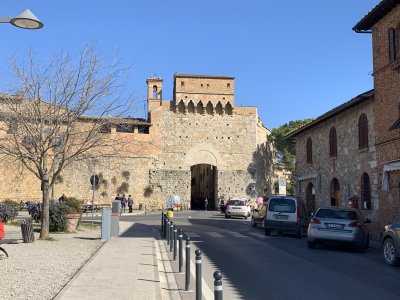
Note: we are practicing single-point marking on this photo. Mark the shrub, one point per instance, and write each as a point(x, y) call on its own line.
point(57, 211)
point(8, 212)
point(73, 204)
point(11, 202)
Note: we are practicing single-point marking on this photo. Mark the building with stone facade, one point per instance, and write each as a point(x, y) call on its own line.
point(372, 172)
point(336, 157)
point(383, 21)
point(197, 145)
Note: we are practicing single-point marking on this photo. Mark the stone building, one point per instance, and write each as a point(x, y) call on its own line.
point(197, 145)
point(336, 157)
point(383, 21)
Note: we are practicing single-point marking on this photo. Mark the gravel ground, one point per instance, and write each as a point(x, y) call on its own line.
point(41, 269)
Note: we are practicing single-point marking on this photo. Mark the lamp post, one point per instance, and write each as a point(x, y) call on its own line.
point(25, 20)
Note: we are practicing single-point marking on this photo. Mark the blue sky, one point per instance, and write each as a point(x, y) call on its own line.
point(292, 59)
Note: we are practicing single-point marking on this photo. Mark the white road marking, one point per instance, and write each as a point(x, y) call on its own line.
point(237, 234)
point(259, 235)
point(215, 234)
point(192, 234)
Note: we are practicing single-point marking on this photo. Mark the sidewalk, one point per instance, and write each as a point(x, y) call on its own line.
point(130, 266)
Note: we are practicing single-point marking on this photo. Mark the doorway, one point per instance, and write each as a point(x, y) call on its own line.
point(335, 192)
point(310, 197)
point(203, 185)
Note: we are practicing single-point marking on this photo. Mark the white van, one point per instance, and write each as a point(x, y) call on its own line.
point(286, 213)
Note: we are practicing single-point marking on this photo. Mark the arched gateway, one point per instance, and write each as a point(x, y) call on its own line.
point(203, 160)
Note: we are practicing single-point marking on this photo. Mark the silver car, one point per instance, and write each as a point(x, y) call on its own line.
point(344, 225)
point(237, 208)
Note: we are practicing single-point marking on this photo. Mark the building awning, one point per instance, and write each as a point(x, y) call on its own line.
point(389, 167)
point(308, 176)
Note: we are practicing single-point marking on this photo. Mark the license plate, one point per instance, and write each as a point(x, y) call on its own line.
point(281, 217)
point(333, 225)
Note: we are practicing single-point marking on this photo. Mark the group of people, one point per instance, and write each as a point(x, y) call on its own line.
point(125, 201)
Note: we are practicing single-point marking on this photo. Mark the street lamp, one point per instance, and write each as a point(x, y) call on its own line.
point(26, 20)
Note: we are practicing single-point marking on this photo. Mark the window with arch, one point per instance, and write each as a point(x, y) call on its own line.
point(332, 142)
point(218, 108)
point(190, 107)
point(155, 92)
point(181, 107)
point(362, 132)
point(365, 191)
point(209, 108)
point(228, 109)
point(392, 44)
point(200, 108)
point(309, 150)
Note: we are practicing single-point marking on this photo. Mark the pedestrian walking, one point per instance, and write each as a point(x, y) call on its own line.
point(205, 204)
point(130, 203)
point(123, 203)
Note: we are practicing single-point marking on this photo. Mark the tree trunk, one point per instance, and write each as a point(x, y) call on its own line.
point(44, 230)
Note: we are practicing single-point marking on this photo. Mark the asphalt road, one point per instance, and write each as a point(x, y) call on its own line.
point(255, 266)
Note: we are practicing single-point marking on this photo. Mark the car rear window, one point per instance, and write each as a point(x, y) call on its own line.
point(337, 214)
point(282, 205)
point(236, 202)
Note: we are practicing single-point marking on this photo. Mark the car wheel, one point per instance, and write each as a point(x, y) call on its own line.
point(389, 252)
point(311, 245)
point(253, 223)
point(245, 217)
point(267, 231)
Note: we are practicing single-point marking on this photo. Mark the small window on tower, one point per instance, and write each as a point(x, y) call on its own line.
point(228, 85)
point(182, 83)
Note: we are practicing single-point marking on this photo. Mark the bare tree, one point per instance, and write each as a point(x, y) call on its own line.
point(59, 116)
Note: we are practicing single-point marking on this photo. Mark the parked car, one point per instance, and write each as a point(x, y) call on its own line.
point(286, 213)
point(390, 245)
point(259, 214)
point(342, 225)
point(237, 208)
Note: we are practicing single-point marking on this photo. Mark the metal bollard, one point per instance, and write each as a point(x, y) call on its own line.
point(217, 285)
point(198, 275)
point(175, 240)
point(187, 272)
point(167, 230)
point(180, 236)
point(171, 237)
point(162, 221)
point(165, 227)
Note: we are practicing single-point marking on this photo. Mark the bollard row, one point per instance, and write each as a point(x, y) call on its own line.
point(173, 236)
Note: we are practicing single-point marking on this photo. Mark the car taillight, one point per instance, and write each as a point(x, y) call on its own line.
point(355, 224)
point(315, 221)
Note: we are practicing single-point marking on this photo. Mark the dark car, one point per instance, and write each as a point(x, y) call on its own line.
point(390, 246)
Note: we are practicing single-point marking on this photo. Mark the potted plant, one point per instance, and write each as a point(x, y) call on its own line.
point(72, 214)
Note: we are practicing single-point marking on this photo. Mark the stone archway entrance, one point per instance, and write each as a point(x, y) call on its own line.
point(203, 185)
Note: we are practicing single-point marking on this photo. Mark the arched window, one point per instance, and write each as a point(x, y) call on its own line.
point(365, 191)
point(155, 92)
point(200, 108)
point(362, 132)
point(218, 108)
point(209, 108)
point(228, 109)
point(392, 44)
point(181, 107)
point(309, 150)
point(190, 107)
point(332, 142)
